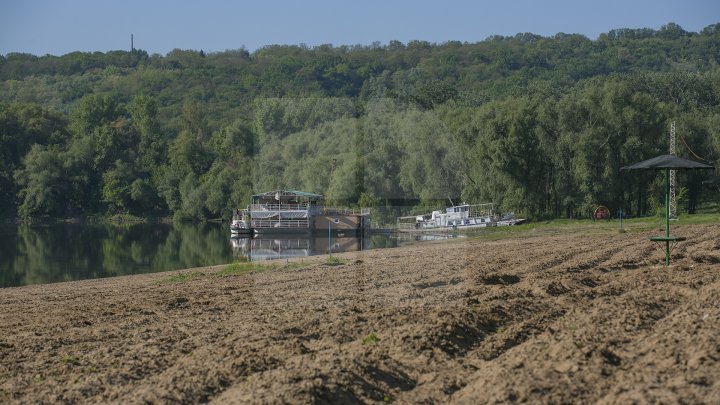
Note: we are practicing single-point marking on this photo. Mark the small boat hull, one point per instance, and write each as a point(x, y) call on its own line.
point(240, 228)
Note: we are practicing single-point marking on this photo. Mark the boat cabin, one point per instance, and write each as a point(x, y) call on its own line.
point(284, 210)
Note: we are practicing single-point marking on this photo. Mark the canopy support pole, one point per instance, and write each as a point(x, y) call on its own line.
point(667, 217)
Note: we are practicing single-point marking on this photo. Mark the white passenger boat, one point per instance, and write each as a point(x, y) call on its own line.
point(457, 217)
point(240, 225)
point(463, 216)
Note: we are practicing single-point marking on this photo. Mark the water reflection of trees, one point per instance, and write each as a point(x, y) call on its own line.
point(57, 253)
point(36, 255)
point(47, 254)
point(8, 274)
point(382, 241)
point(191, 245)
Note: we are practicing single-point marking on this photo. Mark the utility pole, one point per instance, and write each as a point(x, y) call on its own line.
point(673, 202)
point(132, 45)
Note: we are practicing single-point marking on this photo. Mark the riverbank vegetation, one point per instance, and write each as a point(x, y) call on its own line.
point(537, 125)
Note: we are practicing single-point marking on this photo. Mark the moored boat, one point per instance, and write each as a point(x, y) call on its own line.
point(297, 212)
point(240, 225)
point(463, 216)
point(284, 211)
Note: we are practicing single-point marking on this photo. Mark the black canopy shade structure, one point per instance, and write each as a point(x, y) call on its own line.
point(667, 163)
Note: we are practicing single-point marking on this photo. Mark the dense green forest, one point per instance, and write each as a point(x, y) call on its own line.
point(537, 125)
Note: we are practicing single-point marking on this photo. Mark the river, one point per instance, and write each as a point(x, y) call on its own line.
point(32, 254)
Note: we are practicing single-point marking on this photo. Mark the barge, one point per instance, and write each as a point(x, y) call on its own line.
point(457, 217)
point(296, 212)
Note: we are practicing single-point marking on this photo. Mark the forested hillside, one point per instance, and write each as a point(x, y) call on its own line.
point(537, 125)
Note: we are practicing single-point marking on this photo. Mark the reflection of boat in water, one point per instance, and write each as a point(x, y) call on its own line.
point(457, 217)
point(404, 237)
point(269, 247)
point(266, 249)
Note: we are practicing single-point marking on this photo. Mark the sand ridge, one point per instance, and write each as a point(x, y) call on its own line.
point(561, 319)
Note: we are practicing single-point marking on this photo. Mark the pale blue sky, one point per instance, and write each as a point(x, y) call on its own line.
point(58, 27)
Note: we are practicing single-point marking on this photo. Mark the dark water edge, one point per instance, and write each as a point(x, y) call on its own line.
point(66, 251)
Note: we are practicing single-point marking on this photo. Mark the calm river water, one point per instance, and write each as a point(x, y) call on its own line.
point(31, 254)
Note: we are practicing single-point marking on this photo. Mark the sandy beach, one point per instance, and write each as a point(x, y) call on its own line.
point(570, 318)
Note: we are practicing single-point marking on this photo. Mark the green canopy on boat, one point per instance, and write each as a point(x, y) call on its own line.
point(287, 195)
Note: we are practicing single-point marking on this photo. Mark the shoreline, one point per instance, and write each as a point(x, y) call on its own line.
point(547, 318)
point(94, 219)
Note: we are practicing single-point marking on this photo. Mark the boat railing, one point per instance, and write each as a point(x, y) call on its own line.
point(282, 223)
point(308, 207)
point(280, 207)
point(345, 211)
point(480, 210)
point(409, 222)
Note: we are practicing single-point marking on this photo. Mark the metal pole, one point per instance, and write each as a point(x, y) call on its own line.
point(329, 243)
point(673, 201)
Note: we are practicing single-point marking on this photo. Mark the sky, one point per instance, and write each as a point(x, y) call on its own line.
point(58, 27)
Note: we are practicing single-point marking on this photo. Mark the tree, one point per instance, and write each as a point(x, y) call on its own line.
point(92, 112)
point(508, 167)
point(428, 168)
point(536, 124)
point(151, 148)
point(21, 127)
point(42, 187)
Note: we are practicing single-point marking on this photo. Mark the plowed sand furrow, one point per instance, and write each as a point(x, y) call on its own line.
point(568, 318)
point(700, 248)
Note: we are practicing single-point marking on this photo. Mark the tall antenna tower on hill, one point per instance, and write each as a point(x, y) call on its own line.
point(673, 202)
